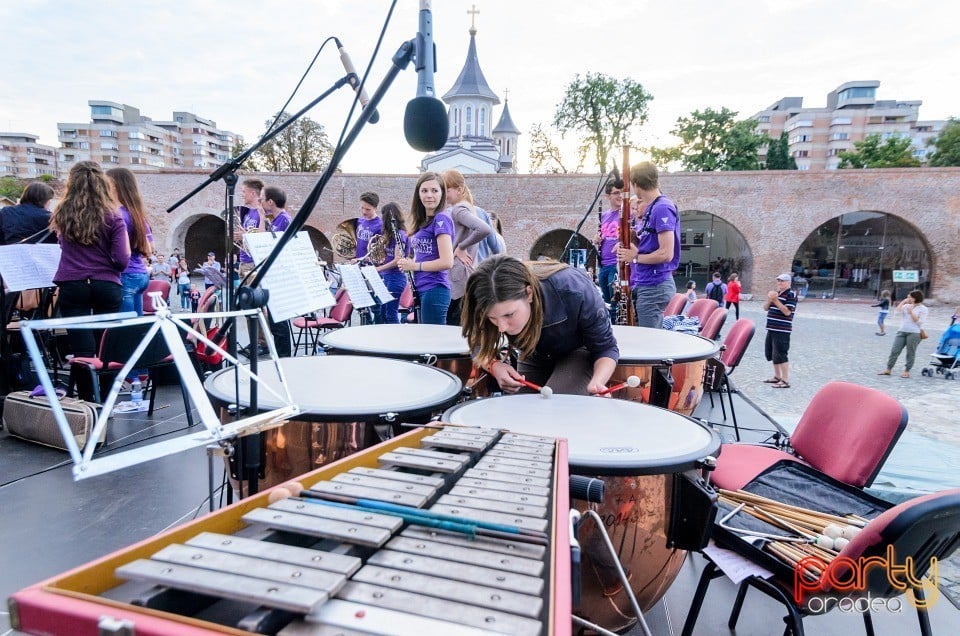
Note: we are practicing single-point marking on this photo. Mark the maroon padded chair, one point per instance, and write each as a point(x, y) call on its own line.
point(701, 309)
point(711, 328)
point(920, 530)
point(676, 305)
point(312, 326)
point(154, 286)
point(405, 305)
point(847, 431)
point(720, 369)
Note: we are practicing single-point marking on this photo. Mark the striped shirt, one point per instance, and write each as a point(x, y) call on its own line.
point(776, 321)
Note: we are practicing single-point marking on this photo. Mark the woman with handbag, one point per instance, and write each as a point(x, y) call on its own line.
point(913, 313)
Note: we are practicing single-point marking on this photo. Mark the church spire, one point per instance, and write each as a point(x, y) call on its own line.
point(471, 82)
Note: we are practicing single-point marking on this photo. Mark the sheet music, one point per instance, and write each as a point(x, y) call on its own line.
point(355, 285)
point(376, 284)
point(736, 567)
point(28, 265)
point(296, 281)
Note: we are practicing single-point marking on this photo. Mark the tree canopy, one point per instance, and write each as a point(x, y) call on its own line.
point(303, 147)
point(601, 111)
point(714, 140)
point(947, 145)
point(778, 154)
point(874, 152)
point(545, 156)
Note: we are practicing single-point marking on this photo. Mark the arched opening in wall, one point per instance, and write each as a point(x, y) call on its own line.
point(580, 251)
point(204, 234)
point(321, 244)
point(858, 254)
point(711, 244)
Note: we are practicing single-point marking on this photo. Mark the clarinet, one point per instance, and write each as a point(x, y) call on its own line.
point(398, 245)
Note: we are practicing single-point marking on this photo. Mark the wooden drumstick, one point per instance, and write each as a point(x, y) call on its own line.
point(632, 382)
point(545, 391)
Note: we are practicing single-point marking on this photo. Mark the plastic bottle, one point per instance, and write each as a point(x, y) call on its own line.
point(136, 392)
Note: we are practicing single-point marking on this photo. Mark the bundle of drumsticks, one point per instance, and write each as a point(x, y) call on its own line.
point(811, 533)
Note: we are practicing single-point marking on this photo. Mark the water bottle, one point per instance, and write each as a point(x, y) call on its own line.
point(136, 392)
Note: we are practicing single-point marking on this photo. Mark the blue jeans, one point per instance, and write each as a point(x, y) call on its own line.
point(184, 290)
point(433, 306)
point(396, 282)
point(606, 276)
point(132, 288)
point(650, 301)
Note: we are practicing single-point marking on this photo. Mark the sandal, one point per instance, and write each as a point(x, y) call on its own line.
point(781, 385)
point(773, 381)
point(887, 372)
point(905, 374)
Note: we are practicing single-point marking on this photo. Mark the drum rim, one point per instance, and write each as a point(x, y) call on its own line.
point(650, 360)
point(341, 415)
point(359, 349)
point(676, 464)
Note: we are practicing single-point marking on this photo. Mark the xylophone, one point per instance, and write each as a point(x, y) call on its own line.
point(311, 564)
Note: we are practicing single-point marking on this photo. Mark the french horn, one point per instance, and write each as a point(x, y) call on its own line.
point(377, 249)
point(344, 240)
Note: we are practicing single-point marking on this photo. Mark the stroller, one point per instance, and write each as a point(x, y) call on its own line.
point(945, 360)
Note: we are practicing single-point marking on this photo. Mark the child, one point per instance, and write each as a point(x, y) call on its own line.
point(194, 297)
point(691, 295)
point(884, 306)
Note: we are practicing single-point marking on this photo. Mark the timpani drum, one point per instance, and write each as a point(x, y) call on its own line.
point(640, 452)
point(650, 354)
point(441, 346)
point(342, 399)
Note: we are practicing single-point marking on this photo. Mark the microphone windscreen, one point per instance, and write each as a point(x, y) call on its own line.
point(616, 173)
point(589, 489)
point(425, 123)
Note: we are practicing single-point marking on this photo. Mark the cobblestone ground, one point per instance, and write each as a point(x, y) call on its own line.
point(837, 341)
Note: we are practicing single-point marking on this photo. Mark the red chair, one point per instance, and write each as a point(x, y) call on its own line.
point(711, 328)
point(701, 309)
point(405, 305)
point(847, 431)
point(676, 305)
point(917, 531)
point(154, 286)
point(338, 318)
point(719, 369)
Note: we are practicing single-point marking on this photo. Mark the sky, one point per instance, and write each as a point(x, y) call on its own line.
point(237, 61)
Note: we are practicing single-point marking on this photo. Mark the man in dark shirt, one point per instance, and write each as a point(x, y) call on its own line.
point(780, 306)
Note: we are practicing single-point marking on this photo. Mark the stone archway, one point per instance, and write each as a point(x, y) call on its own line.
point(202, 234)
point(552, 244)
point(709, 243)
point(858, 254)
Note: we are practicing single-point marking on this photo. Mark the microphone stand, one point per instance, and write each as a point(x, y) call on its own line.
point(250, 449)
point(604, 180)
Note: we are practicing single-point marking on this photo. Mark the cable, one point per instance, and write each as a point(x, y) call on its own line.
point(297, 87)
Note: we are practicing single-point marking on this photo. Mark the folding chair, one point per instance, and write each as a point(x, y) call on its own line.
point(717, 377)
point(711, 328)
point(676, 305)
point(312, 326)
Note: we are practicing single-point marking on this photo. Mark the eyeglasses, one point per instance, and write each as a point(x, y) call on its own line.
point(616, 193)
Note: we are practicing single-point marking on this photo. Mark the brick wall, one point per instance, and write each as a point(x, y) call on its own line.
point(775, 211)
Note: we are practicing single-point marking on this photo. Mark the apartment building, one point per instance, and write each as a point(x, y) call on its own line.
point(119, 135)
point(22, 157)
point(818, 135)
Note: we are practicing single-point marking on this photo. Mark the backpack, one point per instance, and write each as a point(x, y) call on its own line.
point(716, 293)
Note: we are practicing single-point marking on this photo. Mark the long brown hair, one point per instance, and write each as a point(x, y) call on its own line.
point(496, 280)
point(87, 200)
point(418, 214)
point(128, 195)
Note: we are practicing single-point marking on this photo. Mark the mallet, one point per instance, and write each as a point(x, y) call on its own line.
point(632, 382)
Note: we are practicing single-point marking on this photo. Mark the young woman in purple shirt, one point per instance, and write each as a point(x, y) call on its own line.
point(393, 278)
point(135, 278)
point(94, 250)
point(431, 235)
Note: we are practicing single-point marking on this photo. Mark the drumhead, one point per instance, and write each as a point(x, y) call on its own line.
point(605, 437)
point(643, 345)
point(406, 341)
point(346, 388)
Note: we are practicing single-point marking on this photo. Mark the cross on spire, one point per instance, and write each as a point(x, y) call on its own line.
point(473, 12)
point(506, 94)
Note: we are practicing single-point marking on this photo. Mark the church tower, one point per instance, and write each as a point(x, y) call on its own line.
point(474, 145)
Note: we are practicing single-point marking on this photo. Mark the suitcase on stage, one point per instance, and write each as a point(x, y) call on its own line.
point(32, 419)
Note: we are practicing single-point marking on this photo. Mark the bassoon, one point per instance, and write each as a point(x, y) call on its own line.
point(625, 310)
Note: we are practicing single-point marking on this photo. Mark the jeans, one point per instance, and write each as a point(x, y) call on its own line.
point(650, 301)
point(911, 341)
point(396, 282)
point(608, 273)
point(83, 298)
point(433, 306)
point(132, 287)
point(183, 289)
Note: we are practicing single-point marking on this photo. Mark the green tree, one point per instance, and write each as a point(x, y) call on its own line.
point(947, 145)
point(303, 147)
point(873, 152)
point(601, 111)
point(11, 187)
point(778, 154)
point(715, 140)
point(545, 155)
point(240, 147)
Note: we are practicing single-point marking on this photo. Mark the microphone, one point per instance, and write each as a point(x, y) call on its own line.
point(354, 80)
point(616, 173)
point(425, 123)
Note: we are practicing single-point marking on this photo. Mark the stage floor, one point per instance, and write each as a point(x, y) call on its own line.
point(51, 524)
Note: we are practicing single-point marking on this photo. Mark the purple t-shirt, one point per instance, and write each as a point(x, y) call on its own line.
point(392, 248)
point(281, 222)
point(250, 220)
point(425, 249)
point(104, 260)
point(136, 265)
point(660, 216)
point(609, 235)
point(366, 230)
